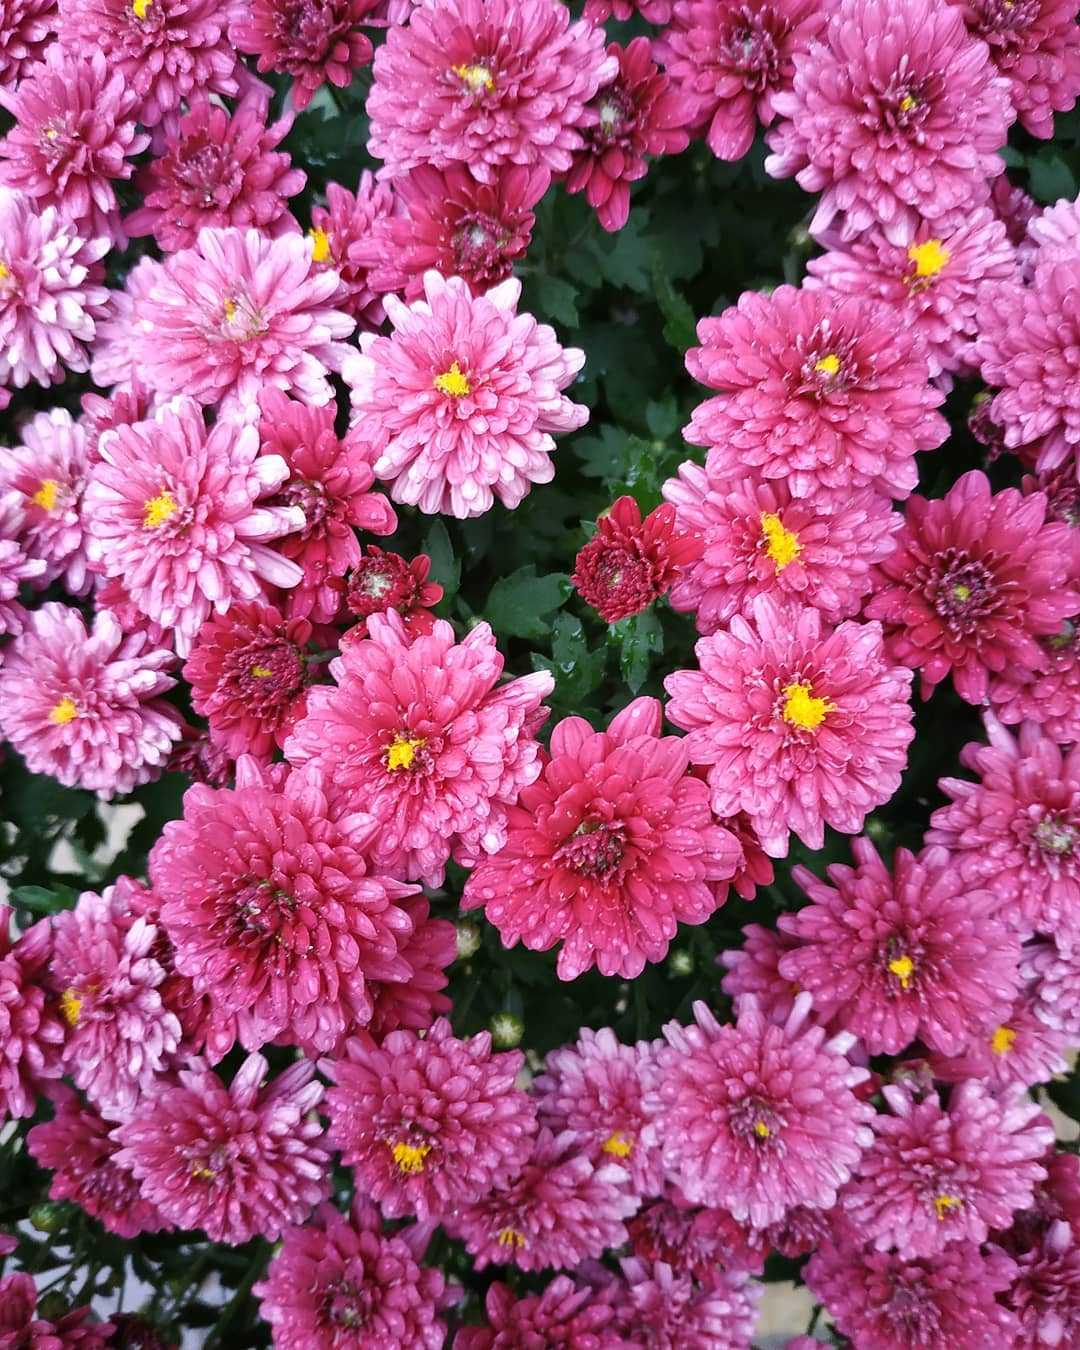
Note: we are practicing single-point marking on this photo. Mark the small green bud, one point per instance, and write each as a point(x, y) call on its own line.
point(506, 1030)
point(468, 939)
point(681, 962)
point(49, 1217)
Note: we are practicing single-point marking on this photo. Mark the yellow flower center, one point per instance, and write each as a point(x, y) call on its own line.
point(510, 1237)
point(618, 1145)
point(202, 1173)
point(453, 382)
point(929, 258)
point(478, 78)
point(402, 751)
point(47, 494)
point(261, 672)
point(320, 245)
point(946, 1203)
point(781, 545)
point(802, 709)
point(5, 271)
point(64, 712)
point(410, 1157)
point(962, 592)
point(139, 8)
point(71, 1005)
point(159, 509)
point(828, 365)
point(230, 306)
point(761, 1129)
point(903, 968)
point(1002, 1040)
point(908, 102)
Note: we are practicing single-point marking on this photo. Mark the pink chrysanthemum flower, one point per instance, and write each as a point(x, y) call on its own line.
point(485, 83)
point(608, 851)
point(27, 27)
point(931, 279)
point(342, 233)
point(655, 11)
point(460, 402)
point(1055, 234)
point(180, 515)
point(75, 1146)
point(729, 60)
point(50, 296)
point(248, 675)
point(798, 729)
point(896, 115)
point(917, 951)
point(754, 968)
point(343, 1281)
point(596, 1088)
point(163, 50)
point(662, 1310)
point(693, 1240)
point(329, 481)
point(31, 1033)
point(382, 581)
point(976, 579)
point(760, 1116)
point(413, 1003)
point(934, 1176)
point(1050, 697)
point(429, 1122)
point(73, 137)
point(20, 1327)
point(883, 1303)
point(630, 562)
point(314, 41)
point(200, 760)
point(824, 391)
point(48, 472)
point(560, 1209)
point(563, 1314)
point(15, 566)
point(85, 706)
point(116, 358)
point(1044, 1293)
point(1054, 966)
point(1036, 46)
point(238, 1162)
point(1018, 1053)
point(416, 732)
point(755, 867)
point(239, 313)
point(759, 540)
point(217, 169)
point(456, 225)
point(273, 910)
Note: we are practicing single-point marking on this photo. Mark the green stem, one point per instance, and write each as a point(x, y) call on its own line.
point(232, 1308)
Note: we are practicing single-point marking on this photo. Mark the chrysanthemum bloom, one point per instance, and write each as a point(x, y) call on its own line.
point(1044, 1294)
point(459, 402)
point(729, 60)
point(630, 562)
point(199, 759)
point(238, 1162)
point(456, 225)
point(759, 540)
point(20, 1327)
point(884, 1303)
point(1019, 1052)
point(428, 1122)
point(314, 41)
point(662, 1309)
point(15, 566)
point(562, 1314)
point(417, 734)
point(180, 514)
point(976, 579)
point(822, 390)
point(917, 951)
point(272, 909)
point(414, 1002)
point(595, 1088)
point(560, 1209)
point(116, 358)
point(342, 233)
point(693, 1240)
point(760, 1116)
point(798, 730)
point(27, 27)
point(755, 867)
point(73, 137)
point(1050, 697)
point(1061, 487)
point(329, 480)
point(754, 968)
point(485, 83)
point(217, 169)
point(932, 279)
point(31, 1033)
point(75, 1146)
point(84, 706)
point(934, 1176)
point(896, 114)
point(655, 11)
point(1036, 46)
point(343, 1281)
point(382, 581)
point(1055, 234)
point(48, 472)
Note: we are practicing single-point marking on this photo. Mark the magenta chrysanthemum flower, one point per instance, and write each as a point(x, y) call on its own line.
point(15, 566)
point(73, 136)
point(342, 233)
point(884, 1303)
point(273, 911)
point(824, 391)
point(896, 115)
point(596, 1088)
point(662, 1309)
point(460, 402)
point(1050, 697)
point(27, 27)
point(1055, 233)
point(20, 1327)
point(562, 1314)
point(180, 515)
point(630, 562)
point(759, 540)
point(976, 579)
point(799, 730)
point(485, 83)
point(608, 851)
point(344, 1282)
point(75, 1146)
point(84, 706)
point(414, 1002)
point(329, 481)
point(1036, 46)
point(759, 1116)
point(239, 313)
point(1018, 1053)
point(48, 472)
point(655, 11)
point(382, 581)
point(314, 41)
point(560, 1209)
point(239, 1161)
point(1044, 1293)
point(31, 1033)
point(217, 169)
point(932, 279)
point(416, 732)
point(163, 50)
point(935, 1176)
point(917, 951)
point(1054, 968)
point(429, 1122)
point(754, 968)
point(693, 1240)
point(729, 60)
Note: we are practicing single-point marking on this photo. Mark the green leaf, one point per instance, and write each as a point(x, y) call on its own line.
point(42, 900)
point(577, 670)
point(680, 330)
point(663, 417)
point(625, 258)
point(518, 604)
point(1051, 178)
point(445, 568)
point(555, 299)
point(639, 638)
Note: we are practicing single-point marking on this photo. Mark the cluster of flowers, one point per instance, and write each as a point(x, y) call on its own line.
point(201, 515)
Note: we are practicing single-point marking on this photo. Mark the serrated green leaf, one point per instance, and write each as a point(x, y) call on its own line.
point(639, 638)
point(680, 328)
point(625, 258)
point(555, 299)
point(518, 605)
point(445, 567)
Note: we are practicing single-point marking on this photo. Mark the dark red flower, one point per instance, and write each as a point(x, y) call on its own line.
point(382, 581)
point(201, 760)
point(630, 562)
point(311, 40)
